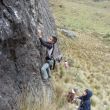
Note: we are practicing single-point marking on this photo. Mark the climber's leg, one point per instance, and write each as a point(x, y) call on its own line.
point(45, 71)
point(50, 62)
point(48, 71)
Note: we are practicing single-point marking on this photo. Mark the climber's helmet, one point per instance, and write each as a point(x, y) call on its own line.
point(52, 39)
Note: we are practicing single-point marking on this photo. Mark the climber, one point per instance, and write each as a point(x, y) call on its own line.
point(50, 62)
point(85, 103)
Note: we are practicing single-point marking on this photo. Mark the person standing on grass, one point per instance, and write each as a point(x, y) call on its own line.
point(50, 62)
point(85, 103)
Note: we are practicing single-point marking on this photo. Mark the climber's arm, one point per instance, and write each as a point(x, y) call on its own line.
point(44, 43)
point(81, 97)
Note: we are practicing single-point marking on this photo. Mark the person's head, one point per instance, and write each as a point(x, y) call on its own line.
point(52, 39)
point(87, 94)
point(84, 93)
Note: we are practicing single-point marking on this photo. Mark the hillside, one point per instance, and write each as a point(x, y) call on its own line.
point(88, 54)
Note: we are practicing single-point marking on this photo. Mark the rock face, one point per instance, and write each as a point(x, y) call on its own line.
point(21, 54)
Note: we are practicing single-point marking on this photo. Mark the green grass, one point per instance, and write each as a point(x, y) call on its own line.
point(88, 70)
point(90, 56)
point(81, 15)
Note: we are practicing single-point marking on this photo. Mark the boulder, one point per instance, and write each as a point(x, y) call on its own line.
point(68, 33)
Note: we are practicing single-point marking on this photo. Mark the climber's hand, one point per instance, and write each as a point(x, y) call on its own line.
point(40, 33)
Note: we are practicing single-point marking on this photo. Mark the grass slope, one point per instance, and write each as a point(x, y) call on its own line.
point(88, 55)
point(83, 15)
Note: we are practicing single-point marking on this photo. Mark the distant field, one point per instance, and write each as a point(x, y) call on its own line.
point(84, 15)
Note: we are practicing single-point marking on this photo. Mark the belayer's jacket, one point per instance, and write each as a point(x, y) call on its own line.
point(85, 103)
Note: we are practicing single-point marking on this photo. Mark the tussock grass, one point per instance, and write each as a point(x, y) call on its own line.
point(89, 69)
point(89, 51)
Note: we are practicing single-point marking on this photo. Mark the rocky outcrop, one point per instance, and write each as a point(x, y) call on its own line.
point(21, 54)
point(68, 33)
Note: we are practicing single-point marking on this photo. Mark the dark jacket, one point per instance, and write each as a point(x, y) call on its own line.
point(49, 46)
point(85, 103)
point(45, 43)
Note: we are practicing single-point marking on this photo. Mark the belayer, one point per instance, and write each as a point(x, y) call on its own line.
point(50, 62)
point(85, 103)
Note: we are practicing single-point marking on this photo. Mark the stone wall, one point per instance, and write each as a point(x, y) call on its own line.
point(21, 54)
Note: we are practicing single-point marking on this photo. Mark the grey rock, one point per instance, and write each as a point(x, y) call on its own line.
point(68, 33)
point(21, 54)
